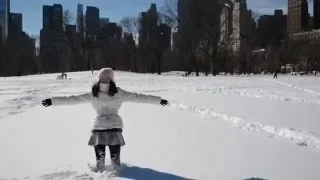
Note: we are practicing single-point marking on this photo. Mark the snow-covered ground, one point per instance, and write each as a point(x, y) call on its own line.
point(224, 127)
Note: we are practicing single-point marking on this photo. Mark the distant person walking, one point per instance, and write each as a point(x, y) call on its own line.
point(275, 75)
point(62, 76)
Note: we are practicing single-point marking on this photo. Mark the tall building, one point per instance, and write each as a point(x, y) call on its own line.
point(184, 8)
point(237, 27)
point(164, 35)
point(311, 24)
point(57, 17)
point(52, 17)
point(272, 29)
point(240, 25)
point(71, 29)
point(4, 18)
point(52, 41)
point(1, 37)
point(80, 20)
point(143, 29)
point(152, 24)
point(71, 32)
point(110, 31)
point(128, 40)
point(118, 33)
point(148, 26)
point(184, 11)
point(104, 21)
point(226, 22)
point(280, 24)
point(298, 16)
point(92, 21)
point(316, 14)
point(46, 16)
point(175, 40)
point(15, 22)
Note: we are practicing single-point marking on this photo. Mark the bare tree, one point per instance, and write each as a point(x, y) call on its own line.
point(199, 29)
point(69, 38)
point(37, 46)
point(68, 17)
point(161, 18)
point(131, 26)
point(188, 30)
point(256, 15)
point(170, 14)
point(212, 33)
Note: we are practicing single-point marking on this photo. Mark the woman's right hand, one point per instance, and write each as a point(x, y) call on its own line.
point(47, 102)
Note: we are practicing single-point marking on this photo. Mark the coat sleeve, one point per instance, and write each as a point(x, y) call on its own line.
point(72, 100)
point(139, 98)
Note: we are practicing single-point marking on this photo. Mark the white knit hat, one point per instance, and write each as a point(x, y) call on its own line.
point(106, 74)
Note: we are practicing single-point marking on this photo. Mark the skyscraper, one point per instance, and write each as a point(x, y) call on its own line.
point(71, 29)
point(143, 29)
point(226, 22)
point(4, 17)
point(272, 29)
point(104, 21)
point(152, 23)
point(297, 16)
point(164, 35)
point(92, 21)
point(52, 17)
point(15, 22)
point(80, 20)
point(46, 16)
point(52, 43)
point(1, 37)
point(183, 11)
point(57, 17)
point(316, 13)
point(241, 27)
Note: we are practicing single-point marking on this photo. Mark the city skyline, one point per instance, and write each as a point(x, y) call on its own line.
point(115, 10)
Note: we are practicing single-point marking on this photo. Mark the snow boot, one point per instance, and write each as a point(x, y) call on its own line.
point(100, 166)
point(115, 170)
point(116, 165)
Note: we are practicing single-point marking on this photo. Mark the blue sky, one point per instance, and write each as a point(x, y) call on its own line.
point(268, 6)
point(115, 9)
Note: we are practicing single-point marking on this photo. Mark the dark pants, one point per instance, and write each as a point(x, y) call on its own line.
point(100, 151)
point(275, 76)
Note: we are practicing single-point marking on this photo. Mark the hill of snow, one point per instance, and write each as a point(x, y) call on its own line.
point(224, 127)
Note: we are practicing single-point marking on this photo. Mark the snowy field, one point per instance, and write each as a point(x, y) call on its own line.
point(225, 127)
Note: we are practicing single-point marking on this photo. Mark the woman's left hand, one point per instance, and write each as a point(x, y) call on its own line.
point(164, 102)
point(47, 102)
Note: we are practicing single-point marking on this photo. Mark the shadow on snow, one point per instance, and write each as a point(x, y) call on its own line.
point(138, 173)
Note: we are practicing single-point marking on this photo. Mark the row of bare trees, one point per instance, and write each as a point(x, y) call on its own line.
point(112, 46)
point(17, 55)
point(197, 47)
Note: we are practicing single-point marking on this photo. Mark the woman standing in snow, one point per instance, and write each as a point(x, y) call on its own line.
point(106, 99)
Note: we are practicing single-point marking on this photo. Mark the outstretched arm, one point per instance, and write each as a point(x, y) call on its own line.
point(141, 98)
point(68, 100)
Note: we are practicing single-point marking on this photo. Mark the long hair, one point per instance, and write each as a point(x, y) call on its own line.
point(112, 89)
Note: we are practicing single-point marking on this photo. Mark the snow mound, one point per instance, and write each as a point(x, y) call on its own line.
point(299, 137)
point(298, 88)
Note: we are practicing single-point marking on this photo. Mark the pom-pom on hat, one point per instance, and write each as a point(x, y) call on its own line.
point(106, 74)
